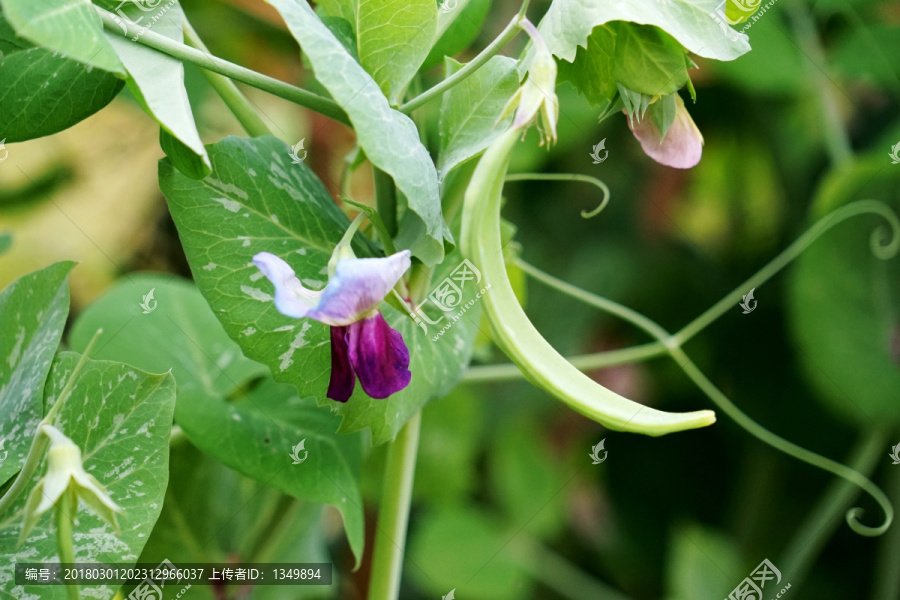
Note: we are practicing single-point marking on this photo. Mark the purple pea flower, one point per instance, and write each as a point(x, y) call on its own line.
point(363, 345)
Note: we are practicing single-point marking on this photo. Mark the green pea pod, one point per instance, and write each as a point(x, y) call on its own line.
point(514, 332)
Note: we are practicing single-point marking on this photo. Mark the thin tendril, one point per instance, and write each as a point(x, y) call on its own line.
point(568, 177)
point(883, 247)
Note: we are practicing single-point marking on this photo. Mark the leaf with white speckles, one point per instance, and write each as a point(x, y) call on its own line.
point(33, 312)
point(306, 228)
point(121, 418)
point(182, 334)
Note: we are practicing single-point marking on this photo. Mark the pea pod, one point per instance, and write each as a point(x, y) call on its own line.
point(513, 331)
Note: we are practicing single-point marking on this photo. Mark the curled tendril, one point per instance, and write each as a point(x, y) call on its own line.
point(884, 244)
point(587, 214)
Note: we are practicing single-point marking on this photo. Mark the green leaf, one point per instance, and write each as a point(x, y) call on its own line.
point(43, 92)
point(121, 418)
point(71, 27)
point(393, 38)
point(262, 430)
point(33, 312)
point(157, 81)
point(256, 200)
point(457, 29)
point(663, 114)
point(6, 240)
point(467, 550)
point(470, 110)
point(845, 303)
point(390, 139)
point(648, 60)
point(197, 526)
point(181, 333)
point(591, 70)
point(568, 23)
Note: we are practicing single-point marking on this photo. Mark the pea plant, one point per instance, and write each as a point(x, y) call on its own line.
point(319, 325)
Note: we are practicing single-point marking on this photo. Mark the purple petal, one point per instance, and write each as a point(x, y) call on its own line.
point(291, 298)
point(358, 286)
point(379, 356)
point(682, 146)
point(343, 380)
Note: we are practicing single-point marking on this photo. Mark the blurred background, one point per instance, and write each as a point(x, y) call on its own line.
point(507, 502)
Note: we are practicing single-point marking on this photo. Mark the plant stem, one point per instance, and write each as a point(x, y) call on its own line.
point(820, 524)
point(880, 249)
point(558, 574)
point(228, 91)
point(721, 400)
point(277, 521)
point(187, 54)
point(386, 200)
point(808, 37)
point(390, 540)
point(66, 507)
point(585, 362)
point(632, 316)
point(506, 36)
point(39, 441)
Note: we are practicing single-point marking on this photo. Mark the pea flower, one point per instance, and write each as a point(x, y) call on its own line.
point(536, 98)
point(681, 148)
point(363, 345)
point(65, 473)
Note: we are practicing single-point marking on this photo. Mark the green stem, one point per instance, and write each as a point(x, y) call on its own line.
point(506, 36)
point(66, 507)
point(390, 540)
point(880, 249)
point(39, 441)
point(729, 408)
point(818, 527)
point(386, 200)
point(228, 91)
point(568, 177)
point(558, 574)
point(614, 308)
point(586, 362)
point(187, 54)
point(808, 37)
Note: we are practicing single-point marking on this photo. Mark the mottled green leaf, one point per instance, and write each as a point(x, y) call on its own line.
point(256, 200)
point(121, 418)
point(470, 111)
point(44, 92)
point(33, 312)
point(389, 138)
point(845, 303)
point(71, 27)
point(181, 333)
point(393, 38)
point(647, 60)
point(568, 23)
